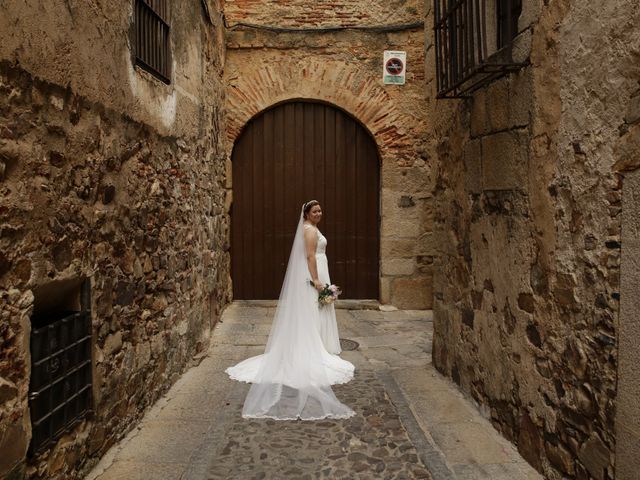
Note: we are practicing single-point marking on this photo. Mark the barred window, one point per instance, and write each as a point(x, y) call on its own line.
point(152, 42)
point(473, 43)
point(60, 388)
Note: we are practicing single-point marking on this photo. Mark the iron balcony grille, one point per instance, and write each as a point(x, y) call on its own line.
point(152, 42)
point(464, 62)
point(60, 387)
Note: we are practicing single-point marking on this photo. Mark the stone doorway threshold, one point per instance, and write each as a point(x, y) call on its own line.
point(340, 304)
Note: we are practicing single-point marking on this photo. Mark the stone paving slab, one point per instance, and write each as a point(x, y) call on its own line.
point(126, 470)
point(340, 304)
point(473, 449)
point(386, 340)
point(244, 339)
point(497, 471)
point(154, 445)
point(388, 357)
point(411, 422)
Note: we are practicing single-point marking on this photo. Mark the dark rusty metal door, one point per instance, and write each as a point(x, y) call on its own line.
point(287, 155)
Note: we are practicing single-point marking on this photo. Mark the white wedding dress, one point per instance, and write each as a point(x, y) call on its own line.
point(328, 324)
point(292, 379)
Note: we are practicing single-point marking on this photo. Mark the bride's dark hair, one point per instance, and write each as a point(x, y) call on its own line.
point(308, 206)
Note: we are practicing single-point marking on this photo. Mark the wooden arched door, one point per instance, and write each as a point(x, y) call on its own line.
point(287, 155)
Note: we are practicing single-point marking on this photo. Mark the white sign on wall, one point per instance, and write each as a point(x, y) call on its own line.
point(394, 67)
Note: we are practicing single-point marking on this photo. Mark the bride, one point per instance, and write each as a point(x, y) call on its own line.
point(292, 379)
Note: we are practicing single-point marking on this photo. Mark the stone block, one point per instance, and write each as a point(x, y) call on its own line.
point(520, 95)
point(473, 166)
point(425, 264)
point(412, 293)
point(479, 119)
point(228, 200)
point(627, 150)
point(400, 226)
point(497, 105)
point(425, 244)
point(398, 266)
point(112, 344)
point(13, 445)
point(522, 47)
point(530, 442)
point(503, 104)
point(633, 110)
point(406, 180)
point(385, 290)
point(96, 438)
point(394, 205)
point(228, 177)
point(505, 159)
point(530, 14)
point(595, 456)
point(397, 247)
point(8, 390)
point(425, 212)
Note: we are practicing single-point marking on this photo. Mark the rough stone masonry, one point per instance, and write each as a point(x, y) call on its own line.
point(107, 175)
point(505, 211)
point(527, 228)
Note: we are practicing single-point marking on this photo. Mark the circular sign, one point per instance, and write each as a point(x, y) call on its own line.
point(394, 66)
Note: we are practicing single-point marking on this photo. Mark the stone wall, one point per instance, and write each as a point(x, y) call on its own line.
point(112, 177)
point(322, 13)
point(344, 68)
point(527, 229)
point(627, 408)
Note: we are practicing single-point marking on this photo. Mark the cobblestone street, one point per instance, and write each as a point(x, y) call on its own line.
point(410, 422)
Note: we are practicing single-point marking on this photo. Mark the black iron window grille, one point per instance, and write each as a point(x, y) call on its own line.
point(152, 42)
point(473, 43)
point(61, 378)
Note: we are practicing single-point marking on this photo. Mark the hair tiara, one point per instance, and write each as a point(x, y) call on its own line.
point(304, 205)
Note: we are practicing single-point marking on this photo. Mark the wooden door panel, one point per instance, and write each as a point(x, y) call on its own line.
point(289, 154)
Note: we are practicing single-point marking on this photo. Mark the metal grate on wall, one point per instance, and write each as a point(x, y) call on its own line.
point(61, 375)
point(464, 62)
point(152, 42)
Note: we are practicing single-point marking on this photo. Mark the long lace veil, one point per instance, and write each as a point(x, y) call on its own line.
point(292, 381)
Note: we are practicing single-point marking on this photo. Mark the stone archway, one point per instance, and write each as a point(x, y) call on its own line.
point(256, 83)
point(337, 84)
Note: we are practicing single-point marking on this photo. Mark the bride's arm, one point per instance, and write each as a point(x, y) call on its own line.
point(310, 244)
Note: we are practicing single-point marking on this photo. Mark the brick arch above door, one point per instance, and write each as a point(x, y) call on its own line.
point(336, 83)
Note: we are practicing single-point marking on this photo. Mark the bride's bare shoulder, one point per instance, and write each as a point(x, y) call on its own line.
point(310, 234)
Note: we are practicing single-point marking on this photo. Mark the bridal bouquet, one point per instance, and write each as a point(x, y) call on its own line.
point(328, 294)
